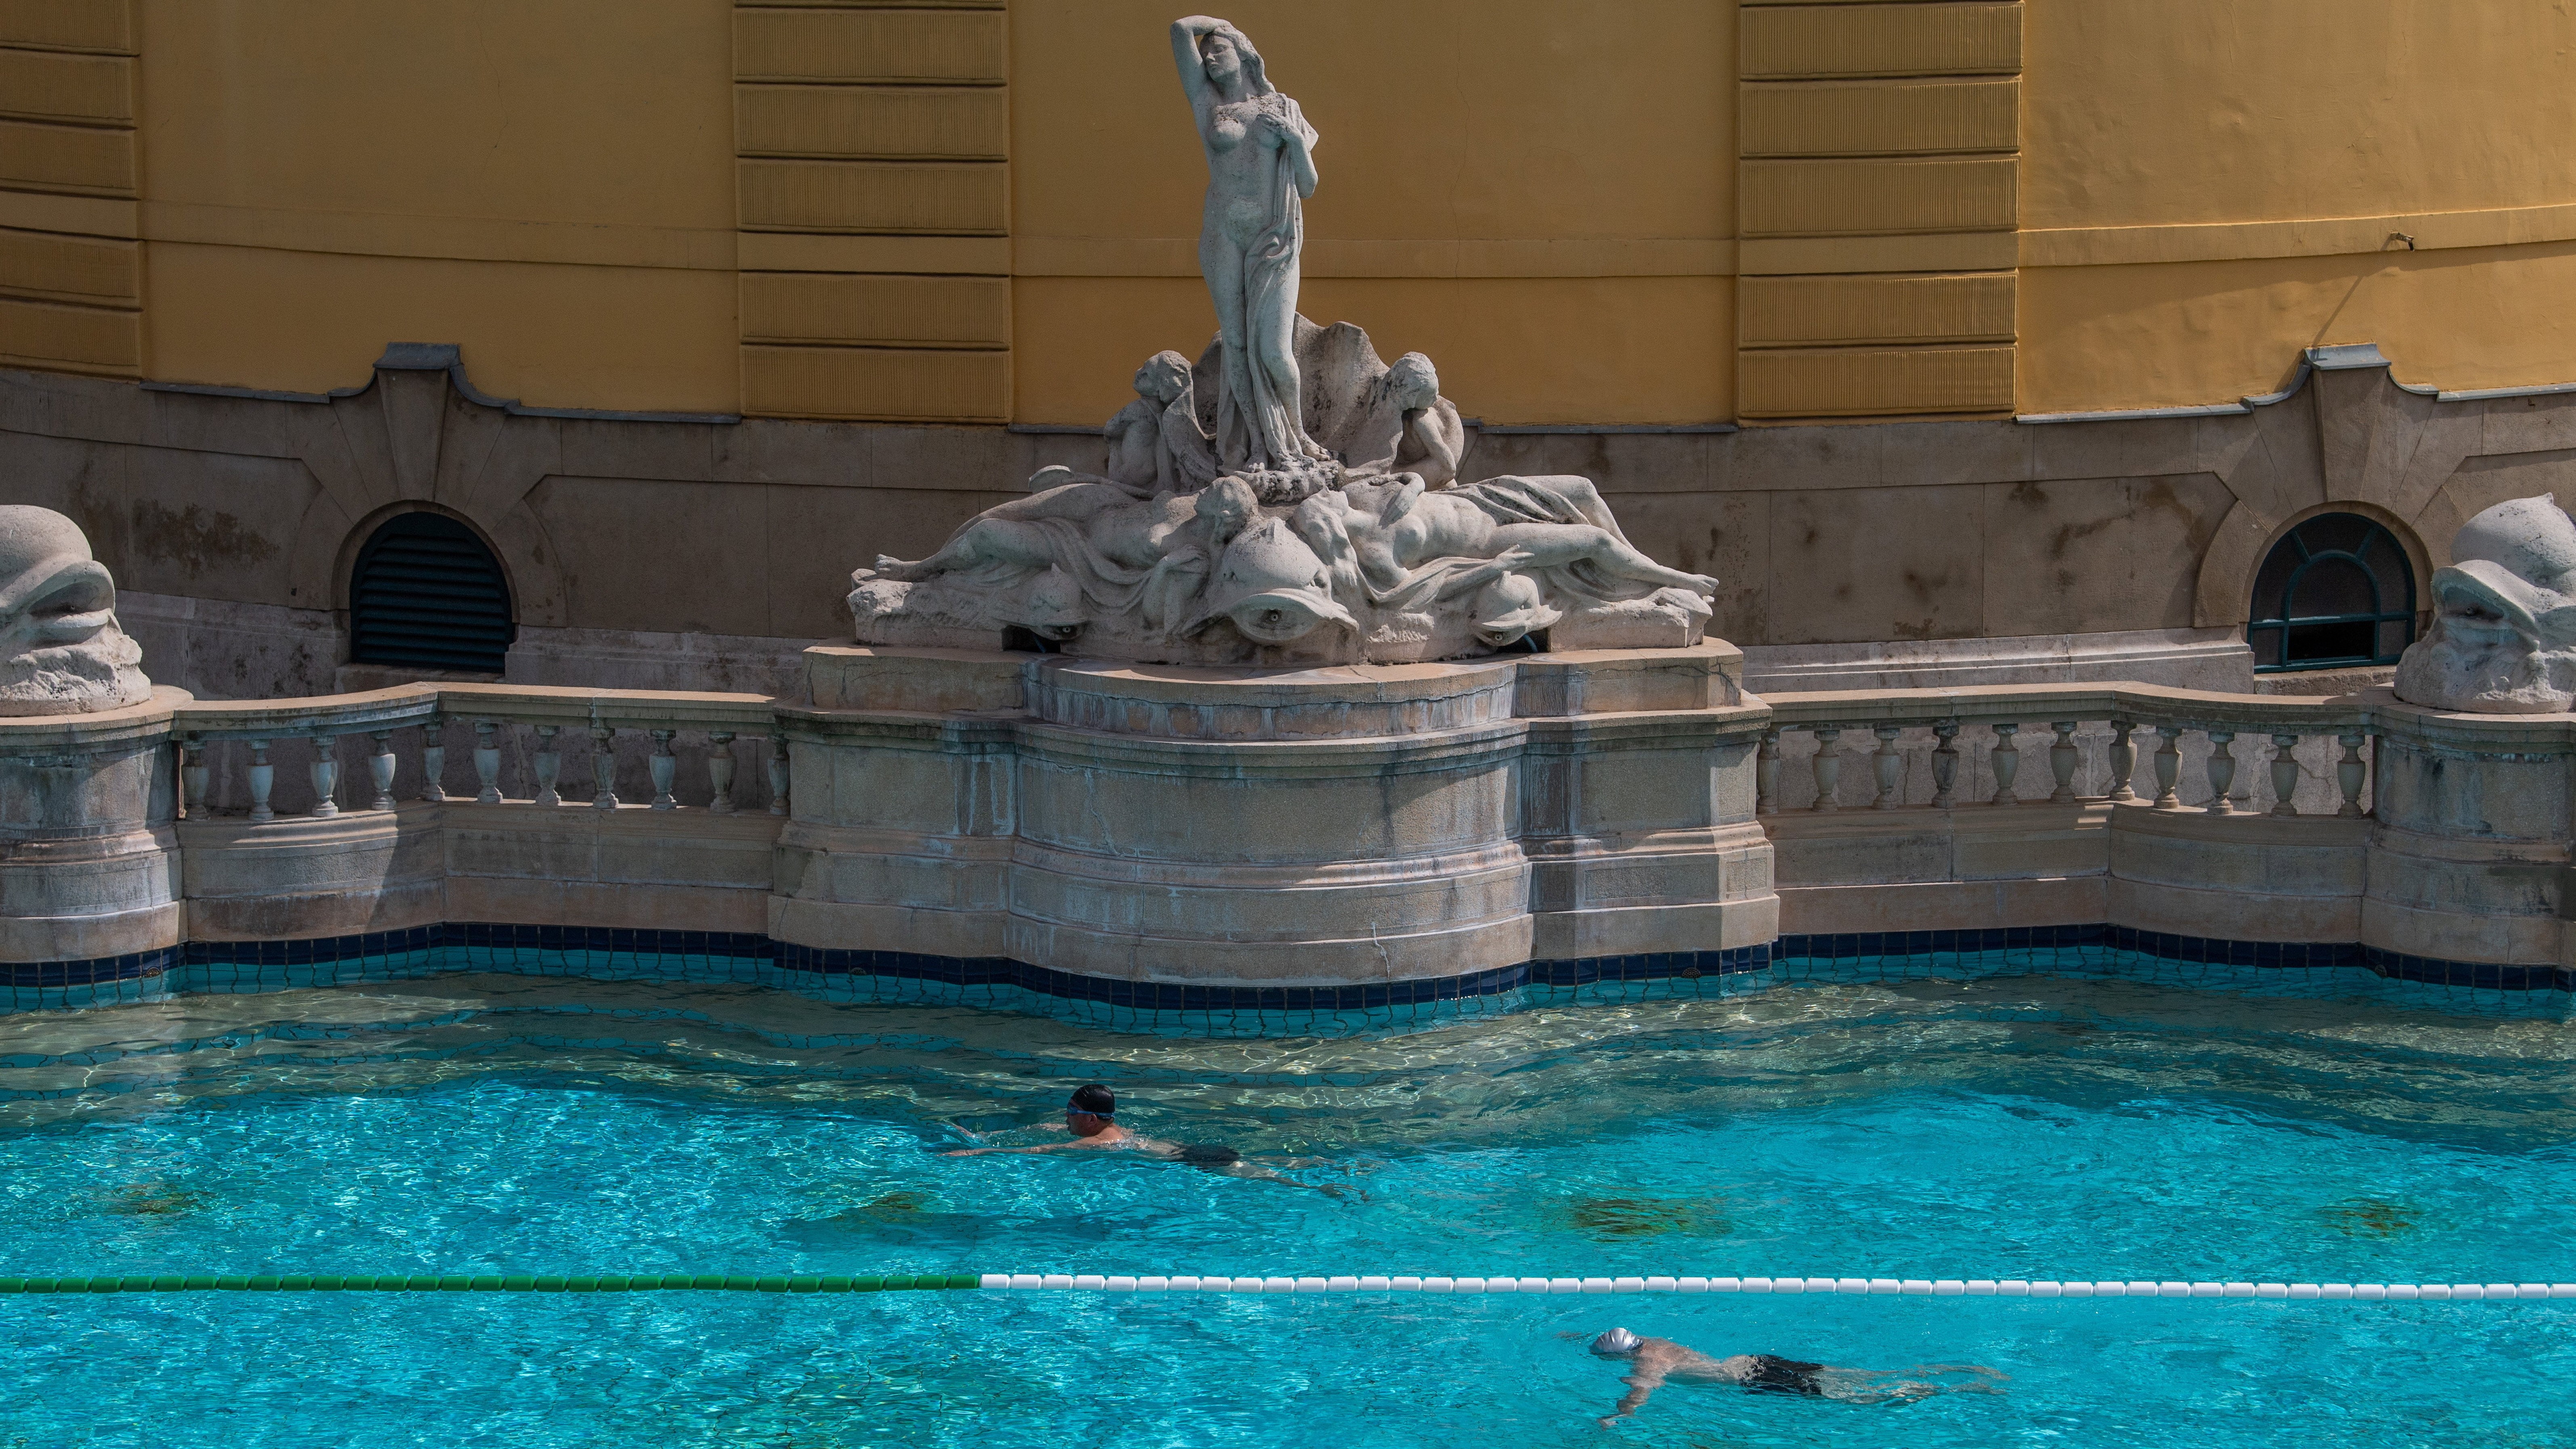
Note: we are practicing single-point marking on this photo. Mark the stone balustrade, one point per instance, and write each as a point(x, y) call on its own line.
point(412, 731)
point(1947, 748)
point(410, 817)
point(1361, 824)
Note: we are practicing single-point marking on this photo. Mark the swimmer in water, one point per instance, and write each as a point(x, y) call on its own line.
point(1655, 1361)
point(1091, 1116)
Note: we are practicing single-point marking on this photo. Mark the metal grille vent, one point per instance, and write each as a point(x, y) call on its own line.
point(427, 594)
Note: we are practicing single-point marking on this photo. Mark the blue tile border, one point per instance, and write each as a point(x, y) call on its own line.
point(465, 941)
point(2199, 950)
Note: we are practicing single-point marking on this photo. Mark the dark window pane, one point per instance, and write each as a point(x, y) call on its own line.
point(2328, 643)
point(2333, 586)
point(2353, 591)
point(2335, 532)
point(2273, 578)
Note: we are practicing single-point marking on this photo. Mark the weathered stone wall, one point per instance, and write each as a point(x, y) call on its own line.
point(662, 554)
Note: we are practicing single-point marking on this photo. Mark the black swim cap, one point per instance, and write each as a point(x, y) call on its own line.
point(1095, 1099)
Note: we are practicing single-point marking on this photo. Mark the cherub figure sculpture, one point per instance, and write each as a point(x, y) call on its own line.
point(1410, 427)
point(1155, 443)
point(61, 651)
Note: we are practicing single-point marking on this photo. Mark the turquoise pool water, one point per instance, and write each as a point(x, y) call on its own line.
point(2006, 1127)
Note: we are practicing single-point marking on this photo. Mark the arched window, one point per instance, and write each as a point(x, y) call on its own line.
point(2337, 593)
point(426, 594)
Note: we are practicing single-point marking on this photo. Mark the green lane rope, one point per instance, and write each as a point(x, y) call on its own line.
point(492, 1283)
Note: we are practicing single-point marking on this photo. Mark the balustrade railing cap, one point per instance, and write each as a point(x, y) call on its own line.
point(613, 708)
point(2553, 732)
point(409, 704)
point(20, 734)
point(2041, 703)
point(399, 704)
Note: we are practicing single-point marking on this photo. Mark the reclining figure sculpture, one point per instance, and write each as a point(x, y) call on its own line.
point(1290, 498)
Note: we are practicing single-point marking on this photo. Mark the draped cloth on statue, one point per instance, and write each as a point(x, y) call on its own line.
point(1255, 427)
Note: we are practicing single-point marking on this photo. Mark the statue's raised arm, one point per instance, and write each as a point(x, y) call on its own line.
point(1187, 32)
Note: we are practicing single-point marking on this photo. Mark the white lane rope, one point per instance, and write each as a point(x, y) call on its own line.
point(1856, 1287)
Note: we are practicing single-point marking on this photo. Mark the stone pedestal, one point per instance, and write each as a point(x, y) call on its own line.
point(2469, 850)
point(1325, 826)
point(88, 866)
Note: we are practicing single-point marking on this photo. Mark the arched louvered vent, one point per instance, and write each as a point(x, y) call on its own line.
point(427, 594)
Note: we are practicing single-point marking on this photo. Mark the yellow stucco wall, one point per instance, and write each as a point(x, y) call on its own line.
point(1655, 211)
point(548, 184)
point(2209, 186)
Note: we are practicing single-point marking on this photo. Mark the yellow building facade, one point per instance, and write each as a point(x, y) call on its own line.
point(1959, 339)
point(985, 211)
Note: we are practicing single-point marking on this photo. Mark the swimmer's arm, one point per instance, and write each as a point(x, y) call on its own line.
point(1041, 1147)
point(1255, 1172)
point(1641, 1387)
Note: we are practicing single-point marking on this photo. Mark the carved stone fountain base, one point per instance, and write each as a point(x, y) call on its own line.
point(1330, 825)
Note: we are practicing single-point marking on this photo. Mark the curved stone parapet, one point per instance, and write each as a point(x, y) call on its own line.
point(89, 868)
point(1330, 825)
point(2469, 849)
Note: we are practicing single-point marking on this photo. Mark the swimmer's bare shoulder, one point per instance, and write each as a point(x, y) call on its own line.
point(1120, 1139)
point(1668, 1359)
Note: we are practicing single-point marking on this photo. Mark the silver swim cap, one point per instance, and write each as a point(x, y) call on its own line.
point(1617, 1343)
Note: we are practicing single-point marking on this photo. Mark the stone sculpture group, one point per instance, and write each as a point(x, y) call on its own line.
point(1290, 498)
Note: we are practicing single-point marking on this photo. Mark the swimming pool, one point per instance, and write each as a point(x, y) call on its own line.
point(2000, 1127)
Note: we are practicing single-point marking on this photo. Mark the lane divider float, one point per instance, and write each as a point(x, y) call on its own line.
point(1916, 1287)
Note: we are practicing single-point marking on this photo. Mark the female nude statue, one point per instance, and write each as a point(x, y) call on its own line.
point(1261, 167)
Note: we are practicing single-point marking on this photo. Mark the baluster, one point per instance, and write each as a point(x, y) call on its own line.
point(1829, 769)
point(663, 769)
point(2168, 760)
point(487, 761)
point(1766, 775)
point(263, 777)
point(380, 770)
point(2062, 759)
point(778, 802)
point(326, 777)
point(433, 759)
point(1891, 766)
point(2124, 759)
point(1945, 765)
point(2349, 772)
point(192, 775)
point(603, 768)
point(2222, 771)
point(2005, 759)
point(549, 764)
point(2285, 774)
point(720, 772)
